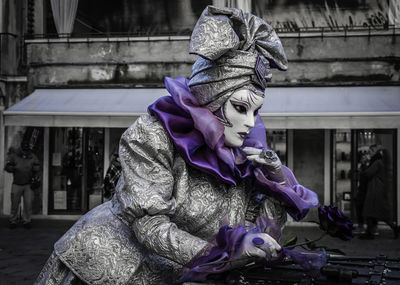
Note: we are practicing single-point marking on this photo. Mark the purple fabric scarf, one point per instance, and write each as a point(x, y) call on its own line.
point(199, 139)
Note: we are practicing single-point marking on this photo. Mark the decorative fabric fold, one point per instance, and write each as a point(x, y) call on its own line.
point(199, 138)
point(301, 199)
point(236, 50)
point(195, 131)
point(220, 30)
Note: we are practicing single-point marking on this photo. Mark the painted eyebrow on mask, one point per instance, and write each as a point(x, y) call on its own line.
point(249, 100)
point(242, 101)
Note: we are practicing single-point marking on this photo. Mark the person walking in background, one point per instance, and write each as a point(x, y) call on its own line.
point(376, 205)
point(112, 176)
point(25, 166)
point(361, 193)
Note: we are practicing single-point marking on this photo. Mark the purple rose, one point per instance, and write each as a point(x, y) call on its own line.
point(335, 223)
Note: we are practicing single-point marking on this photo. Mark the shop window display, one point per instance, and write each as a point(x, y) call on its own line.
point(66, 169)
point(342, 170)
point(76, 169)
point(94, 162)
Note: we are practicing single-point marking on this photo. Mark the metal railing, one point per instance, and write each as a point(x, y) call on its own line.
point(336, 29)
point(108, 35)
point(303, 31)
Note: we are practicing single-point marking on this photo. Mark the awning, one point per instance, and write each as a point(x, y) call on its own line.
point(82, 107)
point(332, 107)
point(287, 108)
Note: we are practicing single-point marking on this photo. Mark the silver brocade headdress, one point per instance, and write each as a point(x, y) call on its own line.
point(236, 50)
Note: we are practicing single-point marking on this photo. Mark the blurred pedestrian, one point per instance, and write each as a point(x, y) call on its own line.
point(25, 166)
point(361, 193)
point(112, 176)
point(376, 205)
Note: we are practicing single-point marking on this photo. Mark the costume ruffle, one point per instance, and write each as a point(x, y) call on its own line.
point(199, 138)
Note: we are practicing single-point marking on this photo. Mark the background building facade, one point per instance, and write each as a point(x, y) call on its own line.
point(89, 68)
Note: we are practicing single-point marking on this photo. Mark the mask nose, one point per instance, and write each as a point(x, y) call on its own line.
point(250, 121)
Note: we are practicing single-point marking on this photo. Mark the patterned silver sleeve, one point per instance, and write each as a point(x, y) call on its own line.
point(145, 192)
point(273, 209)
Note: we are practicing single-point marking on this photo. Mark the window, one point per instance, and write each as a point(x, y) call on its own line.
point(134, 17)
point(293, 15)
point(75, 169)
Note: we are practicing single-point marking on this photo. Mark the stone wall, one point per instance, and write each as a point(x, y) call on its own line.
point(313, 60)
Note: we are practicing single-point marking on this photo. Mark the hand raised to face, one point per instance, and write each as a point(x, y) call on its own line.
point(263, 157)
point(269, 160)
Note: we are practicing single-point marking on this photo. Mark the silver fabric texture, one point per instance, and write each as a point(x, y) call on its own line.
point(56, 273)
point(164, 212)
point(235, 49)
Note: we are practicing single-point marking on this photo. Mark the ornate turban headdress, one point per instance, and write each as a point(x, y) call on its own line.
point(236, 50)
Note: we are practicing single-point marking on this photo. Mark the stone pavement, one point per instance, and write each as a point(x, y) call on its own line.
point(24, 252)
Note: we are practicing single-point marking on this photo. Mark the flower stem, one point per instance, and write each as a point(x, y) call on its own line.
point(310, 241)
point(226, 261)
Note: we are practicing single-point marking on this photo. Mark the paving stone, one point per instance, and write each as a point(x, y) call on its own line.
point(23, 253)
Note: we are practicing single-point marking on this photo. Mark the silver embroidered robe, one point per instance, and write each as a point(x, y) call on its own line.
point(163, 213)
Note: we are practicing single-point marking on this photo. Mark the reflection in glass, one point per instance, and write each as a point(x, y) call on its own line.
point(76, 169)
point(94, 162)
point(66, 169)
point(342, 170)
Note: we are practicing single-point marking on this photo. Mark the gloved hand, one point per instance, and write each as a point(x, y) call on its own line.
point(270, 162)
point(257, 245)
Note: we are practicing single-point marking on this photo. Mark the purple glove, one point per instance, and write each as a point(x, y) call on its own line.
point(269, 160)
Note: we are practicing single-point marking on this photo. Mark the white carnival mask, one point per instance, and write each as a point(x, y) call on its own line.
point(239, 115)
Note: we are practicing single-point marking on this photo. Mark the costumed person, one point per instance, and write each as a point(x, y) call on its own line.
point(25, 166)
point(198, 160)
point(376, 204)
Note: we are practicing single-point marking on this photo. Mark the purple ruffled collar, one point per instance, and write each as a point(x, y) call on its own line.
point(199, 136)
point(199, 139)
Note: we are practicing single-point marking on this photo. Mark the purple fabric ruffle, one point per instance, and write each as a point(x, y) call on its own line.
point(199, 139)
point(228, 242)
